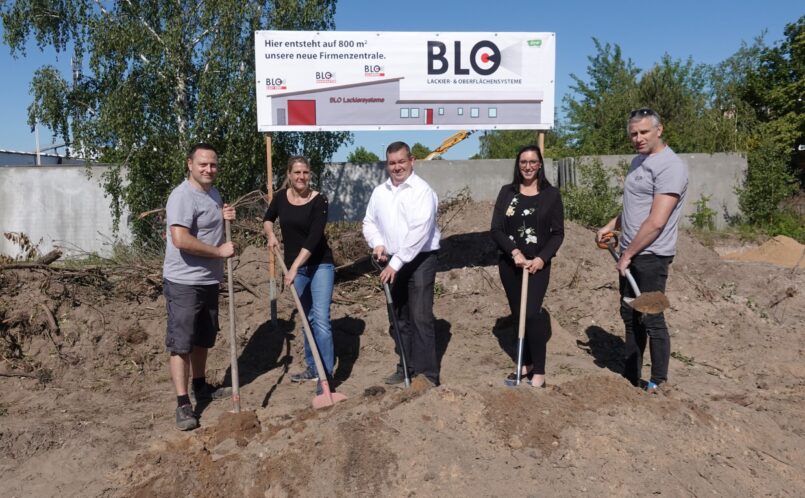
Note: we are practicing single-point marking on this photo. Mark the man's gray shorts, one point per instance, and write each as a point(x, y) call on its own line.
point(192, 316)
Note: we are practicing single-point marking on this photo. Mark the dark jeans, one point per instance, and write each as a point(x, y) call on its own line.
point(650, 272)
point(412, 292)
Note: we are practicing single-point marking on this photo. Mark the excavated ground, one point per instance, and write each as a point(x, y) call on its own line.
point(86, 407)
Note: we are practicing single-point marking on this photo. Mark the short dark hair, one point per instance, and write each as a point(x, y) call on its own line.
point(642, 113)
point(396, 146)
point(542, 180)
point(200, 146)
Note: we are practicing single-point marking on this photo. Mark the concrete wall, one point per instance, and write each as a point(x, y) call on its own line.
point(713, 175)
point(63, 207)
point(58, 205)
point(348, 186)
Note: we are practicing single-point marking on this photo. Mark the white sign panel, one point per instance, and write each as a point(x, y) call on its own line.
point(360, 80)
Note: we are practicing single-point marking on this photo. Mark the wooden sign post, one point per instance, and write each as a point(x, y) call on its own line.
point(272, 273)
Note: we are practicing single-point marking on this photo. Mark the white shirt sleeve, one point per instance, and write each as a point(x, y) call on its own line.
point(371, 231)
point(420, 215)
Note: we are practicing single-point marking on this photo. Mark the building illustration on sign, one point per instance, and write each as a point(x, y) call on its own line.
point(379, 102)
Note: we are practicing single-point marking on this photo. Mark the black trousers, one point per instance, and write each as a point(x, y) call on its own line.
point(412, 292)
point(536, 330)
point(651, 273)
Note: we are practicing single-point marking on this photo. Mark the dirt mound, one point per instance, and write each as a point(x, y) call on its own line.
point(86, 407)
point(781, 250)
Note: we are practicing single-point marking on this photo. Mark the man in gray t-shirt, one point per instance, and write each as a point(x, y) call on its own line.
point(193, 269)
point(653, 196)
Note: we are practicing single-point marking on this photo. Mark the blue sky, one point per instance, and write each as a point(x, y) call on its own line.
point(706, 30)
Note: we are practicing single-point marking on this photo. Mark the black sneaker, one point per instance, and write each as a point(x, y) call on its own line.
point(185, 418)
point(306, 375)
point(210, 393)
point(397, 377)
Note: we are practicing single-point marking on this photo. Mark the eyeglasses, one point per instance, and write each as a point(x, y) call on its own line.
point(526, 162)
point(643, 111)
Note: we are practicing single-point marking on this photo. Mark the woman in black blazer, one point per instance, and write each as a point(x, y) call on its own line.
point(528, 228)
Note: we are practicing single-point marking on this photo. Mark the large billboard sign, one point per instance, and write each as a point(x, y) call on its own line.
point(361, 80)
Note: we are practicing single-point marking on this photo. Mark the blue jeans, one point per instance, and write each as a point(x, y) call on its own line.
point(314, 284)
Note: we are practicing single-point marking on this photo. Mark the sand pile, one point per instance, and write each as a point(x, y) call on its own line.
point(781, 250)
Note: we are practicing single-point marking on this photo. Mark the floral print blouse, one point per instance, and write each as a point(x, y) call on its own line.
point(521, 221)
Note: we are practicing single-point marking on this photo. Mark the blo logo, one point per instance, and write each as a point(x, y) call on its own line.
point(373, 70)
point(484, 58)
point(275, 84)
point(325, 77)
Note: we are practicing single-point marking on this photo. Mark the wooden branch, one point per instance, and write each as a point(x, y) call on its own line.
point(50, 319)
point(49, 257)
point(22, 266)
point(360, 260)
point(246, 286)
point(18, 374)
point(42, 262)
point(789, 292)
point(145, 214)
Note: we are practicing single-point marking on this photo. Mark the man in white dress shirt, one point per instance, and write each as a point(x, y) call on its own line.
point(400, 224)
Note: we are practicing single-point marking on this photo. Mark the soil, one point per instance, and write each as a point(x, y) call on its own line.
point(780, 250)
point(86, 403)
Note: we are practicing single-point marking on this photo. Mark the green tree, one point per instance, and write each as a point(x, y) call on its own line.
point(420, 151)
point(775, 83)
point(161, 76)
point(362, 156)
point(596, 198)
point(762, 87)
point(769, 179)
point(597, 109)
point(504, 144)
point(679, 92)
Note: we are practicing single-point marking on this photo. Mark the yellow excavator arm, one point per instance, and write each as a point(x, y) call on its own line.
point(449, 142)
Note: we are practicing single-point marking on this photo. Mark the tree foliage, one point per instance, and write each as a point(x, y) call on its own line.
point(766, 88)
point(161, 76)
point(504, 144)
point(419, 151)
point(362, 156)
point(597, 112)
point(752, 102)
point(596, 198)
point(679, 91)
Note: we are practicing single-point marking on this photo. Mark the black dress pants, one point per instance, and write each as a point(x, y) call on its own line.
point(536, 330)
point(412, 293)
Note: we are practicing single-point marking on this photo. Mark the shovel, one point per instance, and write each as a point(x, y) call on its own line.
point(395, 325)
point(645, 302)
point(327, 397)
point(520, 332)
point(233, 347)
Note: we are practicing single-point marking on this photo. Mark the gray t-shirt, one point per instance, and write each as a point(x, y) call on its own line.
point(201, 212)
point(660, 173)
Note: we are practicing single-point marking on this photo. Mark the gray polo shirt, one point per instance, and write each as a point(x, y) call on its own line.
point(201, 212)
point(660, 173)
